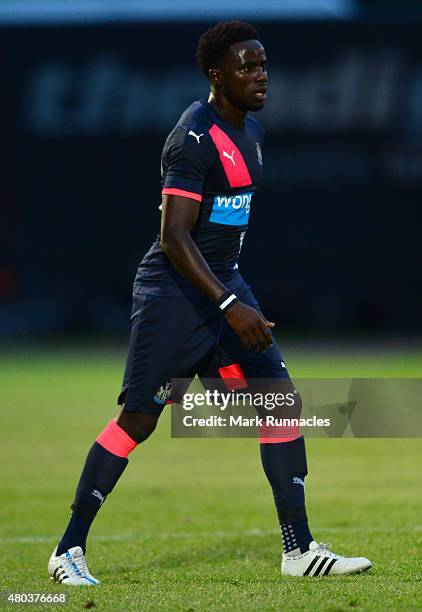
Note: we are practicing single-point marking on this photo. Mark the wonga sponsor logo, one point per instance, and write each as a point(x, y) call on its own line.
point(231, 209)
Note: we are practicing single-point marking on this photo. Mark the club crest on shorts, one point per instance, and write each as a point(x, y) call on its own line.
point(163, 394)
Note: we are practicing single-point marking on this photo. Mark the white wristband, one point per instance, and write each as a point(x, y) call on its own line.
point(227, 302)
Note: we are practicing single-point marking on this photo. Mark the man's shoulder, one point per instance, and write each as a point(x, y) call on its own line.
point(195, 123)
point(196, 117)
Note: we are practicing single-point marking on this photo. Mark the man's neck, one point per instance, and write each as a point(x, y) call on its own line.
point(226, 110)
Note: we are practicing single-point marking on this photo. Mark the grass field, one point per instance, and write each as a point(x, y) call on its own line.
point(191, 525)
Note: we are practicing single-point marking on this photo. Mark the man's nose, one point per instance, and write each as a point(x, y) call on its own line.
point(262, 75)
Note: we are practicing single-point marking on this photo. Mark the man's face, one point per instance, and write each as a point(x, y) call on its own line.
point(244, 76)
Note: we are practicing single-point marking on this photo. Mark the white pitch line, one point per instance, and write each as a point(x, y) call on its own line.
point(184, 535)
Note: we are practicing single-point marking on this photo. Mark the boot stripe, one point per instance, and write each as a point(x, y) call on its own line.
point(310, 566)
point(59, 574)
point(75, 567)
point(320, 566)
point(329, 566)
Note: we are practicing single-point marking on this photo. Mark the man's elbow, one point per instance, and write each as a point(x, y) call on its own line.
point(164, 243)
point(169, 241)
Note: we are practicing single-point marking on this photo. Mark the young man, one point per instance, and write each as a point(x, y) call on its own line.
point(211, 166)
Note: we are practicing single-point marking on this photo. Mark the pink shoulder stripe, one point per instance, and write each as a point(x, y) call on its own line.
point(183, 193)
point(233, 163)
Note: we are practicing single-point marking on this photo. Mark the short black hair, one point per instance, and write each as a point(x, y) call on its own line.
point(215, 42)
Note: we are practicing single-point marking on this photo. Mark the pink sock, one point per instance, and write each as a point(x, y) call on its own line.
point(276, 434)
point(114, 439)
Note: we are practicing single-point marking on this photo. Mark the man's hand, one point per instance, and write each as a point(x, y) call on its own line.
point(250, 326)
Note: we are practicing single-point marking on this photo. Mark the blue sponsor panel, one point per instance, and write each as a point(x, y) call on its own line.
point(231, 209)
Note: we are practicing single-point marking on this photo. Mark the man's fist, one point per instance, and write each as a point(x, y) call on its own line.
point(250, 326)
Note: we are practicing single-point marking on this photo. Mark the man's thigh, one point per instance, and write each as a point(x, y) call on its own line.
point(237, 369)
point(170, 338)
point(230, 358)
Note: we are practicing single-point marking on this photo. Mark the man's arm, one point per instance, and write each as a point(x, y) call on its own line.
point(178, 218)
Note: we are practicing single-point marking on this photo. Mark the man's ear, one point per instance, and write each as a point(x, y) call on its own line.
point(214, 75)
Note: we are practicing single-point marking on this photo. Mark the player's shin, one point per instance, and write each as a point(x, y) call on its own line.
point(285, 466)
point(104, 465)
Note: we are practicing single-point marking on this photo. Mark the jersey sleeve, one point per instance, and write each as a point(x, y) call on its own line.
point(187, 158)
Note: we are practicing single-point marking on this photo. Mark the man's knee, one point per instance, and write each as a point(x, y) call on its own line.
point(138, 425)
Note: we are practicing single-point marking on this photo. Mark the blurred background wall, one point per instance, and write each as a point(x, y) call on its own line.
point(90, 91)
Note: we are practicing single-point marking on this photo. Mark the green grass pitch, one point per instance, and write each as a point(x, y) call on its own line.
point(191, 525)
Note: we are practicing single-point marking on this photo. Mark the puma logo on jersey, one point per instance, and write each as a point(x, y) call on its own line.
point(197, 136)
point(230, 157)
point(299, 481)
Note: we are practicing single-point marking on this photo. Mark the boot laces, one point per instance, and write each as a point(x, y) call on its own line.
point(76, 565)
point(324, 548)
point(79, 560)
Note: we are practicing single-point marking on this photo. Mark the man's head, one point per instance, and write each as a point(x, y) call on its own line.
point(234, 61)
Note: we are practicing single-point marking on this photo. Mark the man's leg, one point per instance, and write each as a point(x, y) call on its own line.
point(282, 449)
point(103, 467)
point(284, 464)
point(284, 461)
point(161, 347)
point(105, 463)
point(283, 454)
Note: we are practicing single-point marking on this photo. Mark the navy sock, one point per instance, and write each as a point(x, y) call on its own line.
point(75, 535)
point(101, 472)
point(296, 535)
point(285, 466)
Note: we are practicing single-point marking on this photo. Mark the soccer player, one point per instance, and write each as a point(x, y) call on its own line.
point(192, 311)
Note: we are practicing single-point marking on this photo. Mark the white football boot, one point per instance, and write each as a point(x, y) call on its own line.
point(320, 561)
point(70, 568)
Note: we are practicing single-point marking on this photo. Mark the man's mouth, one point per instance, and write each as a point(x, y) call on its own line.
point(261, 93)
